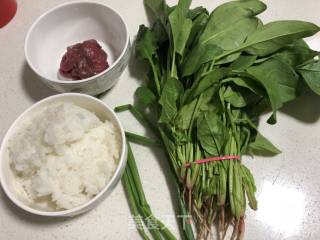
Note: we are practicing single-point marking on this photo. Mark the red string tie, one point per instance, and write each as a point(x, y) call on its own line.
point(213, 159)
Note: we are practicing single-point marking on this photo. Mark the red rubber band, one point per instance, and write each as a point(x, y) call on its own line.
point(212, 159)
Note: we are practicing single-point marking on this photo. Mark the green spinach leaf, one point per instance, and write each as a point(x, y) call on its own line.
point(262, 146)
point(246, 82)
point(243, 62)
point(211, 133)
point(230, 37)
point(180, 25)
point(145, 96)
point(272, 36)
point(146, 44)
point(295, 54)
point(168, 100)
point(159, 8)
point(279, 81)
point(228, 59)
point(311, 75)
point(231, 12)
point(187, 113)
point(234, 97)
point(198, 25)
point(199, 55)
point(212, 78)
point(196, 12)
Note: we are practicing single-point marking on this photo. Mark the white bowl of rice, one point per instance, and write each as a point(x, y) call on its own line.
point(63, 155)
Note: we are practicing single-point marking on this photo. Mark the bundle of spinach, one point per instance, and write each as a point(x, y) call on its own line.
point(211, 76)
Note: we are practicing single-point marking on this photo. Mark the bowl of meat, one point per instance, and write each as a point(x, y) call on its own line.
point(78, 47)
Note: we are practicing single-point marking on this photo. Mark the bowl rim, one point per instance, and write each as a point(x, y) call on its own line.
point(43, 15)
point(79, 209)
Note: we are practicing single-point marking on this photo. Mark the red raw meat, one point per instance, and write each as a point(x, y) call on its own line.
point(83, 60)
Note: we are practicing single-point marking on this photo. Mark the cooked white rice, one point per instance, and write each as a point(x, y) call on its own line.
point(64, 155)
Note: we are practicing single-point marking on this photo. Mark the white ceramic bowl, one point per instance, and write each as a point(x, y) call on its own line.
point(70, 23)
point(8, 180)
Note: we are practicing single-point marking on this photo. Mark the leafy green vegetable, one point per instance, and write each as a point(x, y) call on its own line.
point(196, 12)
point(180, 25)
point(146, 49)
point(278, 79)
point(186, 114)
point(158, 7)
point(211, 76)
point(146, 44)
point(235, 98)
point(246, 83)
point(199, 55)
point(211, 79)
point(145, 96)
point(211, 133)
point(295, 54)
point(168, 100)
point(243, 62)
point(262, 146)
point(198, 23)
point(272, 36)
point(311, 75)
point(230, 13)
point(229, 58)
point(230, 37)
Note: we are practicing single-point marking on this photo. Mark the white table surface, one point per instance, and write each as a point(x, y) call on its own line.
point(288, 185)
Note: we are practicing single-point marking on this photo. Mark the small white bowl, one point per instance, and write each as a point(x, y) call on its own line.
point(71, 23)
point(8, 180)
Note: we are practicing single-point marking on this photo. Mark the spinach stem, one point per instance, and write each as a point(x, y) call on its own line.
point(138, 203)
point(173, 64)
point(132, 137)
point(156, 78)
point(133, 206)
